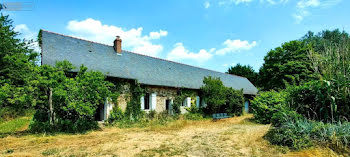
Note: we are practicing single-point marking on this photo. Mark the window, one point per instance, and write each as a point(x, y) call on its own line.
point(147, 101)
point(167, 104)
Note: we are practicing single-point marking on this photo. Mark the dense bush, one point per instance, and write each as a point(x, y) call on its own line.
point(266, 104)
point(300, 134)
point(220, 99)
point(287, 64)
point(214, 94)
point(234, 101)
point(293, 134)
point(116, 115)
point(319, 100)
point(74, 99)
point(17, 64)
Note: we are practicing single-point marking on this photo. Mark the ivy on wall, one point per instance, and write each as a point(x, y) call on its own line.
point(133, 107)
point(182, 94)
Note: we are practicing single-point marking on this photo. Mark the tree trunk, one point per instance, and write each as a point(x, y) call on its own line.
point(51, 108)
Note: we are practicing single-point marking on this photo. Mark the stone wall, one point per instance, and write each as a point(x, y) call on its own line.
point(162, 94)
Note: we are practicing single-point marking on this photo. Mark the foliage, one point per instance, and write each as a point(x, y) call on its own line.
point(193, 116)
point(133, 108)
point(214, 94)
point(266, 104)
point(151, 118)
point(245, 71)
point(220, 98)
point(74, 100)
point(292, 134)
point(234, 101)
point(12, 126)
point(284, 115)
point(332, 64)
point(298, 134)
point(325, 38)
point(320, 100)
point(179, 98)
point(116, 115)
point(16, 66)
point(288, 64)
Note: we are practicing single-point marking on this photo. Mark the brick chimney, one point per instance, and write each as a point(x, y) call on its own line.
point(118, 45)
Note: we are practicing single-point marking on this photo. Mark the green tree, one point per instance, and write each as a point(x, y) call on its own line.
point(286, 64)
point(17, 64)
point(245, 71)
point(324, 39)
point(214, 94)
point(75, 100)
point(234, 101)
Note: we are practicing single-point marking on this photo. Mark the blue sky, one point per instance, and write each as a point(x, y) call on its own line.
point(213, 34)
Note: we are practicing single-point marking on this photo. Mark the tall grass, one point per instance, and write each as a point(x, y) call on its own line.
point(304, 133)
point(333, 66)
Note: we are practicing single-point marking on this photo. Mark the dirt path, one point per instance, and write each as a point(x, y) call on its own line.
point(229, 137)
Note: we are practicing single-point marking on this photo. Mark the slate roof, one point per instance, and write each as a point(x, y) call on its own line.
point(147, 70)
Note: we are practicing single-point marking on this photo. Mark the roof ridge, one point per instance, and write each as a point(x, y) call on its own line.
point(139, 53)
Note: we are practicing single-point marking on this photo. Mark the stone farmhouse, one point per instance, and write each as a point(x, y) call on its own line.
point(161, 78)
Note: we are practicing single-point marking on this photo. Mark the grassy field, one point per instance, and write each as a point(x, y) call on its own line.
point(230, 137)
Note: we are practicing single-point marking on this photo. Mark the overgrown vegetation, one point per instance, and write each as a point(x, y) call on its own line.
point(313, 109)
point(17, 63)
point(68, 103)
point(245, 71)
point(220, 99)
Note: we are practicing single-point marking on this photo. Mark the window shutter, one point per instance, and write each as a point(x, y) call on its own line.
point(197, 101)
point(105, 110)
point(203, 103)
point(154, 101)
point(171, 106)
point(188, 101)
point(142, 102)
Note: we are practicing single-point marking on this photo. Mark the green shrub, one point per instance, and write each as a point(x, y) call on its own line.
point(116, 115)
point(221, 99)
point(294, 134)
point(75, 100)
point(193, 116)
point(319, 100)
point(285, 115)
point(214, 94)
point(298, 134)
point(266, 104)
point(234, 101)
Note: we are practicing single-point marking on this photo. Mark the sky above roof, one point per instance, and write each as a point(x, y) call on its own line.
point(212, 34)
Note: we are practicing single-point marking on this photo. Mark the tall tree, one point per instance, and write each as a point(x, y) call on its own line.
point(16, 67)
point(245, 71)
point(324, 39)
point(286, 64)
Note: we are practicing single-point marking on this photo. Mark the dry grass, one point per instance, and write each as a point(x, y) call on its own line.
point(230, 137)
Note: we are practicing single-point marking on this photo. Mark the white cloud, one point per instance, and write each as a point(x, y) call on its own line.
point(274, 2)
point(236, 2)
point(206, 4)
point(235, 46)
point(27, 34)
point(299, 16)
point(133, 38)
point(180, 53)
point(303, 7)
point(226, 65)
point(308, 3)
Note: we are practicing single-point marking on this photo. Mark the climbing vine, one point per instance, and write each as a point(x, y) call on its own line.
point(133, 107)
point(180, 97)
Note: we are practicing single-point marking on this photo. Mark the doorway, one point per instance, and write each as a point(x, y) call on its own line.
point(167, 105)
